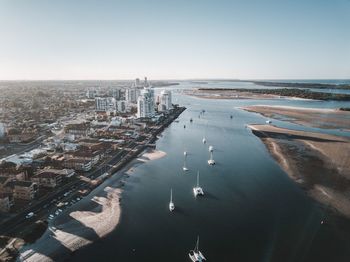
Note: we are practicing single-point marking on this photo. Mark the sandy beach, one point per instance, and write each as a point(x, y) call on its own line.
point(95, 216)
point(320, 163)
point(152, 155)
point(315, 117)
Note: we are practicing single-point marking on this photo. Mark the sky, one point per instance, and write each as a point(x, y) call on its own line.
point(182, 39)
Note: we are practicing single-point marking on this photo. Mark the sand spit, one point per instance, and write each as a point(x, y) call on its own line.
point(152, 155)
point(92, 218)
point(95, 217)
point(315, 117)
point(110, 209)
point(320, 163)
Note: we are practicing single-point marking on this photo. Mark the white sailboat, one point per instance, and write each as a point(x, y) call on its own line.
point(195, 255)
point(204, 140)
point(211, 161)
point(197, 190)
point(184, 168)
point(171, 203)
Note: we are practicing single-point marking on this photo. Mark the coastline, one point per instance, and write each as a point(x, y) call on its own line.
point(234, 94)
point(314, 117)
point(94, 217)
point(318, 162)
point(274, 93)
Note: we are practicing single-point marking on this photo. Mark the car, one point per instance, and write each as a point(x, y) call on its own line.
point(57, 213)
point(29, 215)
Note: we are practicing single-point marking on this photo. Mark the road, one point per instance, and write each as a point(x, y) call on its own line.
point(115, 163)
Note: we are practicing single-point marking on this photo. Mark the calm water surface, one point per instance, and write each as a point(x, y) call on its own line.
point(251, 210)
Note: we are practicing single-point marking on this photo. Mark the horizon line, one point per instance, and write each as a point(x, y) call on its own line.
point(175, 79)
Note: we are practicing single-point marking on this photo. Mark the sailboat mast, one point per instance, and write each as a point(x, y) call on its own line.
point(196, 249)
point(198, 179)
point(171, 195)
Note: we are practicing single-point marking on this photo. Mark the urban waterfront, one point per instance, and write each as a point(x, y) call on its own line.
point(251, 211)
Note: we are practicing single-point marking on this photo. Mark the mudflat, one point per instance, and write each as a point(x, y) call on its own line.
point(316, 117)
point(320, 163)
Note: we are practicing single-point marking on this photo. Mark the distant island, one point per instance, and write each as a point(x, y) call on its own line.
point(302, 85)
point(290, 92)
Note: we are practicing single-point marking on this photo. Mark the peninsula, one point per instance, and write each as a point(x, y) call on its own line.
point(247, 93)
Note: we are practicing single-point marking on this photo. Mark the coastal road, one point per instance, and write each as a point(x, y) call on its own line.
point(19, 220)
point(115, 163)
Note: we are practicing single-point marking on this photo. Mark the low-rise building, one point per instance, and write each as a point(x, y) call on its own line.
point(4, 188)
point(47, 179)
point(6, 201)
point(24, 190)
point(78, 130)
point(78, 164)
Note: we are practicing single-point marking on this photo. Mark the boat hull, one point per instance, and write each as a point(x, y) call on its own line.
point(211, 162)
point(171, 206)
point(196, 257)
point(198, 191)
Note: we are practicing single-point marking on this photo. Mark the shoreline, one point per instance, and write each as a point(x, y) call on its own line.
point(317, 162)
point(94, 217)
point(271, 93)
point(313, 117)
point(118, 167)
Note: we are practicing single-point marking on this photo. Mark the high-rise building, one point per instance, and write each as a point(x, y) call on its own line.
point(145, 103)
point(110, 105)
point(122, 106)
point(2, 130)
point(146, 84)
point(106, 104)
point(137, 82)
point(131, 95)
point(91, 94)
point(118, 94)
point(164, 100)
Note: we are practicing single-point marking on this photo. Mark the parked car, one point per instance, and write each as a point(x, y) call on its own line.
point(29, 215)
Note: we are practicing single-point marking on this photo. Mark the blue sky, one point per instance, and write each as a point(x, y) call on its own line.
point(91, 39)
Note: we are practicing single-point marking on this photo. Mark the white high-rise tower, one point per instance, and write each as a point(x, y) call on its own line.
point(164, 100)
point(145, 103)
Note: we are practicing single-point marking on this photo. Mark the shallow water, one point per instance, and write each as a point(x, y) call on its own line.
point(251, 210)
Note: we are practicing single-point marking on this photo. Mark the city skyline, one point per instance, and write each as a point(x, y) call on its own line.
point(90, 40)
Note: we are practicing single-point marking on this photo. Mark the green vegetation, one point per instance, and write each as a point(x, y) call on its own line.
point(303, 85)
point(291, 92)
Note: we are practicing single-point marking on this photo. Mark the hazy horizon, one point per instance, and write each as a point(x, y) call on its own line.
point(181, 79)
